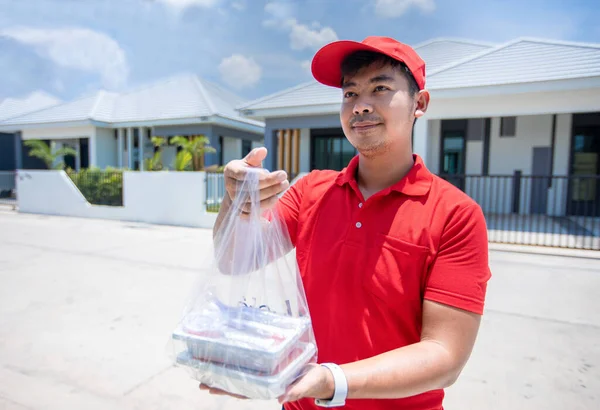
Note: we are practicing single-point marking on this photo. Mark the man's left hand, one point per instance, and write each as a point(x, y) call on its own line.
point(317, 382)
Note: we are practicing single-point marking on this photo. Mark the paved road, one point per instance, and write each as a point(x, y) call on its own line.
point(87, 306)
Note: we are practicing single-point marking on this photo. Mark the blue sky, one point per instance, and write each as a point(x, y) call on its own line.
point(70, 48)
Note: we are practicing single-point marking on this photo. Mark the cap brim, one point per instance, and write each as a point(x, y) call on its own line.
point(327, 62)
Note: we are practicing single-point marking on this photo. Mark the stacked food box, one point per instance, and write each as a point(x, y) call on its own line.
point(243, 350)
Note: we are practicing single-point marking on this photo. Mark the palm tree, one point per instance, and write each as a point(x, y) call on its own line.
point(196, 146)
point(48, 153)
point(182, 161)
point(155, 163)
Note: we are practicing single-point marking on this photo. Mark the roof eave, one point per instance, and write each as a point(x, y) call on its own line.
point(565, 85)
point(294, 111)
point(57, 124)
point(218, 119)
point(239, 125)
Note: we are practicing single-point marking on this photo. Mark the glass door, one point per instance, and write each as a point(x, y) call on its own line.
point(331, 151)
point(453, 157)
point(585, 167)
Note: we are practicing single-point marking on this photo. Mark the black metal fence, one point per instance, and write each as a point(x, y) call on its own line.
point(100, 187)
point(8, 184)
point(556, 211)
point(553, 211)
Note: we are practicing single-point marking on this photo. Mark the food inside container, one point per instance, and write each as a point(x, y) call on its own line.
point(252, 385)
point(255, 352)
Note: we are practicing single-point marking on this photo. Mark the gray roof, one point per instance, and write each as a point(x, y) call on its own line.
point(436, 53)
point(521, 61)
point(177, 98)
point(477, 64)
point(311, 93)
point(13, 107)
point(78, 110)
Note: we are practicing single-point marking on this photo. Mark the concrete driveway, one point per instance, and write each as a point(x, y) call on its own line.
point(87, 307)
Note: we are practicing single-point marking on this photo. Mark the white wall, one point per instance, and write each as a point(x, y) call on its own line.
point(58, 133)
point(557, 195)
point(232, 149)
point(172, 198)
point(106, 148)
point(434, 132)
point(474, 163)
point(305, 150)
point(508, 154)
point(562, 145)
point(53, 193)
point(560, 102)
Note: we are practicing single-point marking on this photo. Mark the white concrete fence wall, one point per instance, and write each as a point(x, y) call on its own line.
point(169, 198)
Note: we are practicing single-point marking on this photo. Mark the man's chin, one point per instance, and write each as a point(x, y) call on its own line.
point(371, 150)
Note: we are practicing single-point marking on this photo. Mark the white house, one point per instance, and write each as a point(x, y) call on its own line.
point(111, 129)
point(12, 153)
point(526, 107)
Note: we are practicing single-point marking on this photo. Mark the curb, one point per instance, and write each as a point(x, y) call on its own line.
point(545, 250)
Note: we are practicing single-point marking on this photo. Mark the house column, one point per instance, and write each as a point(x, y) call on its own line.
point(212, 159)
point(18, 151)
point(78, 157)
point(141, 141)
point(92, 149)
point(120, 147)
point(130, 148)
point(421, 140)
point(271, 144)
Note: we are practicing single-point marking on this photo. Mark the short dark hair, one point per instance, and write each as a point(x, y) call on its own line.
point(356, 61)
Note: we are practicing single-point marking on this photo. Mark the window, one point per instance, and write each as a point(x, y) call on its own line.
point(508, 126)
point(331, 149)
point(246, 147)
point(453, 157)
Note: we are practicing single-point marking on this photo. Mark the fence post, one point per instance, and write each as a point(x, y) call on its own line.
point(516, 194)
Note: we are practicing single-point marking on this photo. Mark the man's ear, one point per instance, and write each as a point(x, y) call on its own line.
point(422, 100)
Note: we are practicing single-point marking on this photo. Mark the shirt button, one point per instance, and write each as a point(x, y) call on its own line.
point(358, 224)
point(360, 205)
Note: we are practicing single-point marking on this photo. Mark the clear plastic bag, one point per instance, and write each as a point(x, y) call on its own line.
point(246, 328)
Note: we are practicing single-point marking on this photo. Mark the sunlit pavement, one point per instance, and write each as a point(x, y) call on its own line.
point(87, 306)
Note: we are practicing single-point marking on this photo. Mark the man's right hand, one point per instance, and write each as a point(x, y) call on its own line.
point(271, 184)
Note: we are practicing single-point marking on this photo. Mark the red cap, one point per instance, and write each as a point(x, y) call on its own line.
point(326, 64)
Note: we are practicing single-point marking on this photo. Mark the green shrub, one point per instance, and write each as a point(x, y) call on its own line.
point(99, 187)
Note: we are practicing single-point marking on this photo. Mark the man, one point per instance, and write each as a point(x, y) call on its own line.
point(394, 260)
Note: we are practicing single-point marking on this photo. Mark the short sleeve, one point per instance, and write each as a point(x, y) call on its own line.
point(288, 207)
point(459, 274)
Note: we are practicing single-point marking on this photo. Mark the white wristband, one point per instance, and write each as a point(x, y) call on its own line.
point(340, 387)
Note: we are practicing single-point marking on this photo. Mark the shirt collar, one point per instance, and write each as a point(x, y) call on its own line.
point(416, 183)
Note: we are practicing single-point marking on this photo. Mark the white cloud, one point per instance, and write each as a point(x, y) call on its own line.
point(396, 8)
point(239, 5)
point(279, 10)
point(179, 5)
point(77, 48)
point(239, 71)
point(306, 66)
point(301, 36)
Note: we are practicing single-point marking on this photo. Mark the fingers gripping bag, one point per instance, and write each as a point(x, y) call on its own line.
point(246, 328)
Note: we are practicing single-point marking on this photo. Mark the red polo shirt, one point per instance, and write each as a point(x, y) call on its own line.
point(367, 265)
